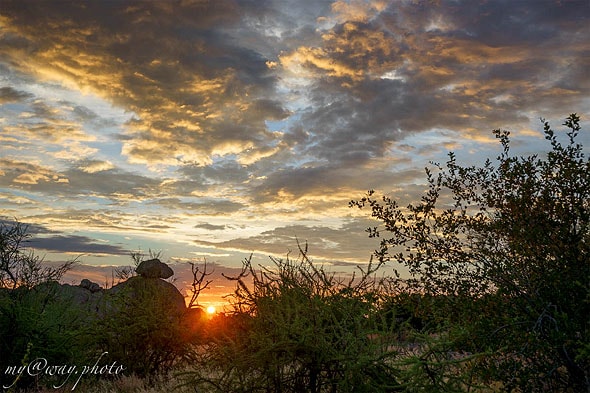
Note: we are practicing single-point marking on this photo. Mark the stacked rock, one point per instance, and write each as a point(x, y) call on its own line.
point(153, 268)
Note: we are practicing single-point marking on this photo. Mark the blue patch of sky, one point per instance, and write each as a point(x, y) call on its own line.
point(18, 193)
point(13, 107)
point(277, 125)
point(107, 122)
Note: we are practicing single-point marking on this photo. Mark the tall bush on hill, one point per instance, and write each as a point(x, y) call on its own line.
point(505, 248)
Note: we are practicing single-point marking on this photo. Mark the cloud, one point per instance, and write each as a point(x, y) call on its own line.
point(204, 206)
point(39, 120)
point(29, 175)
point(347, 243)
point(94, 166)
point(484, 67)
point(9, 94)
point(210, 227)
point(321, 186)
point(41, 125)
point(195, 95)
point(41, 238)
point(357, 10)
point(221, 172)
point(95, 178)
point(74, 244)
point(31, 229)
point(373, 71)
point(7, 199)
point(253, 120)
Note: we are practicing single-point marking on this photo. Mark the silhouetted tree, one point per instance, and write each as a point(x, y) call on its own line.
point(19, 266)
point(510, 257)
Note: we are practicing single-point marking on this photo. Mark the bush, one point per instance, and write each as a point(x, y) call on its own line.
point(299, 328)
point(35, 321)
point(510, 258)
point(140, 324)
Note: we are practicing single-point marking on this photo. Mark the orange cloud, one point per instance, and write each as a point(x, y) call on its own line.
point(357, 10)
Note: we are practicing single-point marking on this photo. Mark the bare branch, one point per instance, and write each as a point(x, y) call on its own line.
point(199, 284)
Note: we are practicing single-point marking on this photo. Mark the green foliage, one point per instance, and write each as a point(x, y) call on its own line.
point(298, 328)
point(34, 320)
point(141, 327)
point(139, 324)
point(38, 323)
point(511, 258)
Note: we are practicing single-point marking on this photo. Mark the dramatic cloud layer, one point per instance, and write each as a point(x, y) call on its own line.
point(228, 127)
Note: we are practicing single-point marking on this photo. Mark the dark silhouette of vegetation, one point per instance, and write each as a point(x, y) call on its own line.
point(141, 323)
point(20, 266)
point(508, 260)
point(141, 327)
point(297, 328)
point(32, 322)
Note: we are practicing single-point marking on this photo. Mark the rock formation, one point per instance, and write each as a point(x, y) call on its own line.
point(91, 286)
point(146, 291)
point(153, 268)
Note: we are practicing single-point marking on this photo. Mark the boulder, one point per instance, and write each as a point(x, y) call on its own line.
point(148, 292)
point(153, 268)
point(91, 286)
point(74, 297)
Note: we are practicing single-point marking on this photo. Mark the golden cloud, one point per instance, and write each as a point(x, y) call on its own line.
point(318, 58)
point(30, 174)
point(184, 109)
point(97, 166)
point(249, 157)
point(348, 52)
point(357, 10)
point(30, 178)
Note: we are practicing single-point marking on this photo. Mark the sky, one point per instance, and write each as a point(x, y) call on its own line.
point(215, 130)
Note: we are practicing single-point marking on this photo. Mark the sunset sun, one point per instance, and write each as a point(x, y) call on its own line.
point(211, 310)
